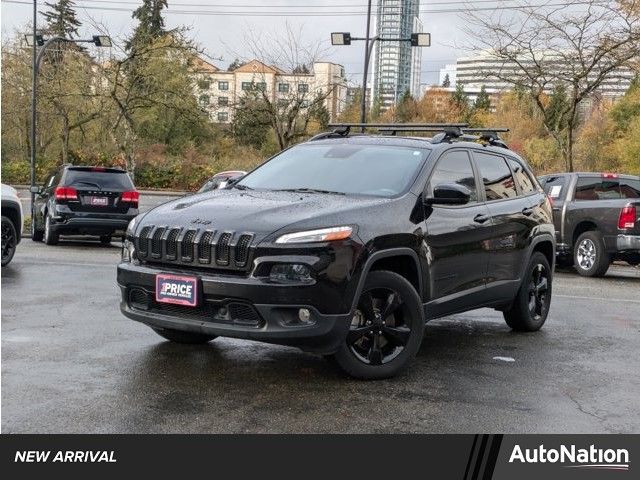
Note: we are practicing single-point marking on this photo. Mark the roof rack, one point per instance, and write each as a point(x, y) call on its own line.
point(447, 132)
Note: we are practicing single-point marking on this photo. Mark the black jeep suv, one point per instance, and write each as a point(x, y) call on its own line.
point(84, 201)
point(345, 246)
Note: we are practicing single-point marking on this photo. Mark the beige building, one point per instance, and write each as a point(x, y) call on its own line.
point(218, 91)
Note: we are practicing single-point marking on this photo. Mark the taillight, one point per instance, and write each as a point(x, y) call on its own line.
point(66, 193)
point(609, 175)
point(550, 198)
point(131, 197)
point(627, 217)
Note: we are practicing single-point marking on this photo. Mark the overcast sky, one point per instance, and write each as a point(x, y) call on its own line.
point(222, 35)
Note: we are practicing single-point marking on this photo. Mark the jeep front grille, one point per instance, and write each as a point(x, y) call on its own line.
point(190, 247)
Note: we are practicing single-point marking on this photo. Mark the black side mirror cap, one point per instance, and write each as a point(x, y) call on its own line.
point(449, 194)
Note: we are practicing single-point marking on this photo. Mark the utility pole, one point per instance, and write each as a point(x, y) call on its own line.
point(365, 76)
point(33, 111)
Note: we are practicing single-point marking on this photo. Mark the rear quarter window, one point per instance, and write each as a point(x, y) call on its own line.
point(630, 188)
point(597, 188)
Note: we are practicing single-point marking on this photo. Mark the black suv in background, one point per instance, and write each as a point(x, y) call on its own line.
point(346, 245)
point(597, 219)
point(84, 201)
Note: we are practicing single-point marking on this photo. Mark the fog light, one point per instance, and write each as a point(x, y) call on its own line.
point(304, 315)
point(290, 273)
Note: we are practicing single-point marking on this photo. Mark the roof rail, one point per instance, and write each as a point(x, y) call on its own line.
point(338, 131)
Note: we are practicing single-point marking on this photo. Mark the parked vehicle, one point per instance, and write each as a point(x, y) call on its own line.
point(596, 218)
point(345, 246)
point(84, 201)
point(11, 223)
point(221, 180)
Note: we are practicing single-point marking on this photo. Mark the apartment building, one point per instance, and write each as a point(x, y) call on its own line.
point(218, 91)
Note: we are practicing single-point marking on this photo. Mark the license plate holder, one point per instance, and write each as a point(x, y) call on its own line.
point(99, 201)
point(177, 289)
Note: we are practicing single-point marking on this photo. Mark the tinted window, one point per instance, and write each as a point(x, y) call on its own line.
point(630, 188)
point(523, 179)
point(554, 186)
point(597, 188)
point(496, 175)
point(454, 167)
point(379, 170)
point(104, 180)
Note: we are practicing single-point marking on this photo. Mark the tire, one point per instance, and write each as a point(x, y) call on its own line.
point(381, 346)
point(530, 308)
point(36, 235)
point(50, 236)
point(105, 240)
point(9, 240)
point(589, 255)
point(178, 336)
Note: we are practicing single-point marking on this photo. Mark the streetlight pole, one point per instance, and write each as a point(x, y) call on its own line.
point(33, 110)
point(97, 40)
point(365, 76)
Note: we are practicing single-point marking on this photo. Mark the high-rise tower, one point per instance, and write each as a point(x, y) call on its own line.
point(397, 68)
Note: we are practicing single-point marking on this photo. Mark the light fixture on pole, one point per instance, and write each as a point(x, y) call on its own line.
point(345, 38)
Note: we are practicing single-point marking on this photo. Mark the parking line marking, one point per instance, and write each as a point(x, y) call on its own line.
point(596, 298)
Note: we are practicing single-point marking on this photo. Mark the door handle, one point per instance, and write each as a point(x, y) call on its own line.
point(481, 218)
point(527, 212)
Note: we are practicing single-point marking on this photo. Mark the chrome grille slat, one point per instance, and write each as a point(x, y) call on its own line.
point(171, 247)
point(204, 247)
point(242, 250)
point(223, 249)
point(143, 241)
point(156, 244)
point(186, 246)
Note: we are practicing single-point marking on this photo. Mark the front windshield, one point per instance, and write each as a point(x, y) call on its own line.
point(379, 170)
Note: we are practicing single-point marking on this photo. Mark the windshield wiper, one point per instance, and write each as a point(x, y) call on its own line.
point(309, 190)
point(241, 187)
point(87, 183)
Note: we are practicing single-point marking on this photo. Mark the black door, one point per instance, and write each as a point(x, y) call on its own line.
point(42, 199)
point(456, 238)
point(512, 222)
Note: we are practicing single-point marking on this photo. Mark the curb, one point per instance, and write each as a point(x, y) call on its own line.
point(157, 193)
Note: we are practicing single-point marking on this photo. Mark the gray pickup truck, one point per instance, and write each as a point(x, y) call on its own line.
point(597, 219)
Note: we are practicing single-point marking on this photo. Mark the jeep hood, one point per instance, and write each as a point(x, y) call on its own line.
point(260, 212)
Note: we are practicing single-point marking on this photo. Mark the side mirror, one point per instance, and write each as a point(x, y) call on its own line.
point(449, 194)
point(36, 189)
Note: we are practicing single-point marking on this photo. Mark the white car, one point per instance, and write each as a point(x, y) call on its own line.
point(11, 222)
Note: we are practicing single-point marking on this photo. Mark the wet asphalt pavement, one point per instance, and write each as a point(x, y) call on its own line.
point(72, 363)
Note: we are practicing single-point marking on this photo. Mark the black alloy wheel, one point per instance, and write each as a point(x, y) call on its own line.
point(386, 329)
point(538, 291)
point(378, 332)
point(9, 240)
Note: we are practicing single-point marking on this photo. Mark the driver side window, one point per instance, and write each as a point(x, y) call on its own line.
point(454, 167)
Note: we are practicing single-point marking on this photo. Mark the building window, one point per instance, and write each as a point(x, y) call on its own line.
point(204, 100)
point(303, 87)
point(246, 86)
point(283, 87)
point(204, 84)
point(223, 101)
point(249, 86)
point(223, 85)
point(223, 116)
point(262, 86)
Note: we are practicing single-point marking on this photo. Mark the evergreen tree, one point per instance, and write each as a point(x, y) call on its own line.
point(460, 98)
point(406, 107)
point(483, 102)
point(446, 83)
point(151, 22)
point(234, 65)
point(61, 19)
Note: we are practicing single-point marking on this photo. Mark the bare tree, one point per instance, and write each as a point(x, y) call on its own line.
point(290, 108)
point(572, 49)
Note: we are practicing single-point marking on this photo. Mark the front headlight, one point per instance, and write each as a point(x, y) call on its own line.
point(320, 235)
point(131, 228)
point(128, 251)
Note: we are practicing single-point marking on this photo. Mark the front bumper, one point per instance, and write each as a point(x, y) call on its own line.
point(628, 242)
point(265, 310)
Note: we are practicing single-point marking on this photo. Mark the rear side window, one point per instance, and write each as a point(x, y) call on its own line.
point(496, 175)
point(107, 180)
point(597, 188)
point(629, 188)
point(554, 186)
point(523, 179)
point(455, 167)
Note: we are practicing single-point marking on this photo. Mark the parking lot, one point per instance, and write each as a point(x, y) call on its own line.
point(72, 363)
